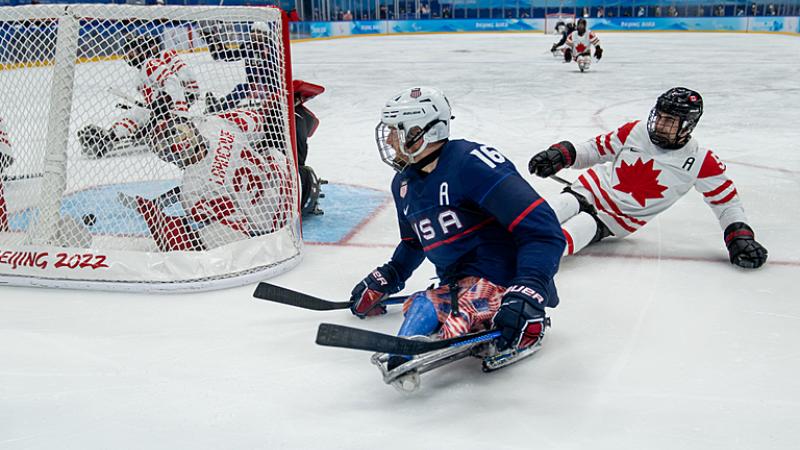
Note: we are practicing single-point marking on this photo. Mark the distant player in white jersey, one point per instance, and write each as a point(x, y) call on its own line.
point(5, 161)
point(579, 46)
point(166, 85)
point(641, 170)
point(233, 186)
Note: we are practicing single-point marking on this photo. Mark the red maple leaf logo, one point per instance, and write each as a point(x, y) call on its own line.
point(640, 180)
point(580, 48)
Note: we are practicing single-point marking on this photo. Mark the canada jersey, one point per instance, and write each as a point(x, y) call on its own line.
point(160, 75)
point(234, 185)
point(474, 215)
point(583, 43)
point(641, 180)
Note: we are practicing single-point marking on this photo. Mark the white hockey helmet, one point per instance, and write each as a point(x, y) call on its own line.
point(178, 141)
point(410, 116)
point(259, 27)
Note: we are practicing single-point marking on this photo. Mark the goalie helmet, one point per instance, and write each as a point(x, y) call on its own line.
point(414, 115)
point(674, 117)
point(178, 141)
point(138, 48)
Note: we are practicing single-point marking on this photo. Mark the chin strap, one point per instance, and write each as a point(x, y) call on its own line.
point(429, 158)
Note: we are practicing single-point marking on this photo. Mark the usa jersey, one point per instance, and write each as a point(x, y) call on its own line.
point(235, 189)
point(474, 215)
point(641, 180)
point(584, 43)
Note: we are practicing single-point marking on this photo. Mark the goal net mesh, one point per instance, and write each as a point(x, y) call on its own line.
point(145, 148)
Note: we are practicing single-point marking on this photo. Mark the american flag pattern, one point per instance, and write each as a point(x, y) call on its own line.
point(478, 301)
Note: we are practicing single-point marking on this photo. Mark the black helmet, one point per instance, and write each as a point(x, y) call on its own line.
point(138, 48)
point(686, 106)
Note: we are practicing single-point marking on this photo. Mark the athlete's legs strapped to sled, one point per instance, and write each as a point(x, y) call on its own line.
point(579, 220)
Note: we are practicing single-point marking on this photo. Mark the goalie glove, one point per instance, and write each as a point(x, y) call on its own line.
point(367, 295)
point(598, 53)
point(743, 249)
point(555, 158)
point(520, 319)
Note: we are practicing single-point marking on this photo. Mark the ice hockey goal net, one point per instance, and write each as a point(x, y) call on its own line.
point(118, 172)
point(550, 21)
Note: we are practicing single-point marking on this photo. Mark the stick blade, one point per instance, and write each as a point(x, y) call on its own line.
point(354, 338)
point(266, 291)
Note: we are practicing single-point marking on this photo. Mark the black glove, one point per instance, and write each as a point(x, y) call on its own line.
point(555, 158)
point(521, 318)
point(743, 249)
point(95, 141)
point(5, 161)
point(367, 294)
point(598, 53)
point(553, 48)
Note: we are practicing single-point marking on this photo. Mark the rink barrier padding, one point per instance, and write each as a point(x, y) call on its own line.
point(331, 30)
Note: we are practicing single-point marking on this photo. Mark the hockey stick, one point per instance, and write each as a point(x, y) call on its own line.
point(266, 291)
point(561, 180)
point(331, 335)
point(164, 200)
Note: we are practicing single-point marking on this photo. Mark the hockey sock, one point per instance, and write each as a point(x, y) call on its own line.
point(565, 206)
point(579, 232)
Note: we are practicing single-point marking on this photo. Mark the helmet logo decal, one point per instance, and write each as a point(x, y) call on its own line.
point(416, 92)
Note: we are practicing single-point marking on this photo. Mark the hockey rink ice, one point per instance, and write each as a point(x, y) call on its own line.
point(658, 343)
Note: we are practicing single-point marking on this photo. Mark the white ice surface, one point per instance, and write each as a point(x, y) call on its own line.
point(658, 343)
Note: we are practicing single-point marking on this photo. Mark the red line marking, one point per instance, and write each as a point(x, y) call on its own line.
point(722, 259)
point(351, 234)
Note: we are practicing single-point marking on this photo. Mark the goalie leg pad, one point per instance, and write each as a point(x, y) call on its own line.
point(170, 233)
point(3, 214)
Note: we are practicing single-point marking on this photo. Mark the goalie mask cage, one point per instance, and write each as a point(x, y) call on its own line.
point(63, 218)
point(550, 21)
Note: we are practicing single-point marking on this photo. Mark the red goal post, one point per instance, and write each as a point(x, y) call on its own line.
point(64, 221)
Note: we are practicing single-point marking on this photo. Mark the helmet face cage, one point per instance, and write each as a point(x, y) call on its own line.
point(413, 115)
point(177, 142)
point(388, 153)
point(674, 117)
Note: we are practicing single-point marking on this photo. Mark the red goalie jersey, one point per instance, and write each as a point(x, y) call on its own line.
point(234, 186)
point(643, 180)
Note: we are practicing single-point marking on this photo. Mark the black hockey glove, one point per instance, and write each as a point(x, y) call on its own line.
point(95, 141)
point(743, 249)
point(521, 318)
point(366, 296)
point(598, 53)
point(553, 48)
point(555, 158)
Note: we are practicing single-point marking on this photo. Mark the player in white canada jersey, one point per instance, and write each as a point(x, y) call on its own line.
point(579, 46)
point(5, 161)
point(641, 170)
point(233, 186)
point(166, 85)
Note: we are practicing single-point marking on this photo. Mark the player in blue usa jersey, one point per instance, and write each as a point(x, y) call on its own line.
point(495, 243)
